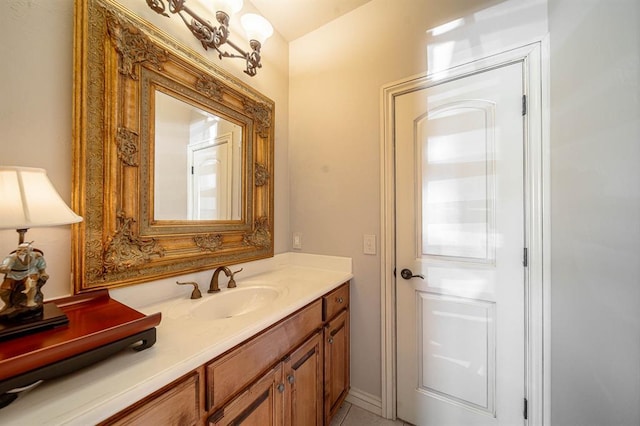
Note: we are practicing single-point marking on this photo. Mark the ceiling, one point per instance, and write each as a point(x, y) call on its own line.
point(295, 18)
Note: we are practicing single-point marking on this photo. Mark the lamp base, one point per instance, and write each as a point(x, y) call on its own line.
point(51, 317)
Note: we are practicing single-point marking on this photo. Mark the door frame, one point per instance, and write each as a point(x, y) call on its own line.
point(534, 58)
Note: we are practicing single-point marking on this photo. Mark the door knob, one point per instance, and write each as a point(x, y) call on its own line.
point(407, 274)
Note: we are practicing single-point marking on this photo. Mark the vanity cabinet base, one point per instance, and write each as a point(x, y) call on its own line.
point(295, 373)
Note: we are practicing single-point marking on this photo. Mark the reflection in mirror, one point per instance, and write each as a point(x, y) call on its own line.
point(198, 163)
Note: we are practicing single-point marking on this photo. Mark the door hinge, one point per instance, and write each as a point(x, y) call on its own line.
point(193, 171)
point(524, 104)
point(525, 258)
point(526, 409)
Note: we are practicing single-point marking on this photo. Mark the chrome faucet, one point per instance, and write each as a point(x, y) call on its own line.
point(214, 286)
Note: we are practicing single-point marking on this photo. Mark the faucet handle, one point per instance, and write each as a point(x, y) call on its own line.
point(232, 281)
point(195, 294)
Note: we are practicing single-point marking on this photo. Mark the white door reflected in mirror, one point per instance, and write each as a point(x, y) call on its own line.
point(198, 162)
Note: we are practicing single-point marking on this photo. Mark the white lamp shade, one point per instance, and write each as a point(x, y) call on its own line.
point(256, 27)
point(227, 6)
point(29, 200)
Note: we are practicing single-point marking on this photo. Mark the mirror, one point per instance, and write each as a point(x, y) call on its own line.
point(197, 163)
point(173, 157)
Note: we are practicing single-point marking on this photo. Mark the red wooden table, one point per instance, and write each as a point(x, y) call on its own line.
point(98, 327)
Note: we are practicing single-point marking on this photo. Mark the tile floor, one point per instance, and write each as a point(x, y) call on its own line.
point(350, 415)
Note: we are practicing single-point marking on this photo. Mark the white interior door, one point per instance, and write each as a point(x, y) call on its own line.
point(460, 231)
point(210, 186)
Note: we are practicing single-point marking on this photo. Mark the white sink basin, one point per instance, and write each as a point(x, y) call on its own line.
point(234, 302)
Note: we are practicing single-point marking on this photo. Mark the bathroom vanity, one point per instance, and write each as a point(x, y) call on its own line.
point(280, 358)
point(294, 372)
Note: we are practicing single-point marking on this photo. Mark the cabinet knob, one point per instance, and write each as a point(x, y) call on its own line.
point(281, 387)
point(339, 299)
point(291, 379)
point(331, 340)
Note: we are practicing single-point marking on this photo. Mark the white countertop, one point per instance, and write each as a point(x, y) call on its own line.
point(183, 342)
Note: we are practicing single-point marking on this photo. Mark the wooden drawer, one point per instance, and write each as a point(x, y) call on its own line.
point(335, 301)
point(176, 404)
point(232, 372)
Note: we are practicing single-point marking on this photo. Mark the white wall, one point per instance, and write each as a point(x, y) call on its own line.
point(36, 78)
point(336, 75)
point(170, 180)
point(595, 212)
point(35, 114)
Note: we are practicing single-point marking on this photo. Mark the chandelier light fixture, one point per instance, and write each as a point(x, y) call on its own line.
point(257, 28)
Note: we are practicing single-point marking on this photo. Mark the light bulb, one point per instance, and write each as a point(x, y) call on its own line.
point(227, 6)
point(256, 27)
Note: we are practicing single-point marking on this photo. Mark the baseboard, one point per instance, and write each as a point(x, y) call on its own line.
point(365, 400)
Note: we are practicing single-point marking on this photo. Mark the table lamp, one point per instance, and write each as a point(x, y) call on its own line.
point(27, 200)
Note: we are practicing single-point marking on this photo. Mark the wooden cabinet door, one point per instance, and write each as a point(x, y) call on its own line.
point(336, 363)
point(304, 382)
point(260, 405)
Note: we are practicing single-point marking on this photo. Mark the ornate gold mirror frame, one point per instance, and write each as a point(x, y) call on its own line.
point(120, 61)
